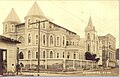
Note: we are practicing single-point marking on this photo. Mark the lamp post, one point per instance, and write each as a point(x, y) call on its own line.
point(38, 42)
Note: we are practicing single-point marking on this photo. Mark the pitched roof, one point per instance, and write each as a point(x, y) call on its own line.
point(12, 16)
point(6, 39)
point(35, 10)
point(62, 27)
point(90, 25)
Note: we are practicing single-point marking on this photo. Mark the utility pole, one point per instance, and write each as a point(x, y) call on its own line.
point(17, 66)
point(64, 59)
point(38, 42)
point(38, 48)
point(103, 56)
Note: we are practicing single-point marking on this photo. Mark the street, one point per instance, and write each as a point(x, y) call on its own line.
point(108, 72)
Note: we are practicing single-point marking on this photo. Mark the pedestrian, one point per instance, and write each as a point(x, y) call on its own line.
point(21, 67)
point(13, 69)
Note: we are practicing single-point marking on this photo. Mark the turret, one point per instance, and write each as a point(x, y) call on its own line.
point(35, 14)
point(9, 28)
point(90, 37)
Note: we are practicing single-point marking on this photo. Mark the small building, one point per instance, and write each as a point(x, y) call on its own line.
point(7, 53)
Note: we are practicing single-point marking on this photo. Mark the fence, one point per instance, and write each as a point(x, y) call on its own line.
point(59, 64)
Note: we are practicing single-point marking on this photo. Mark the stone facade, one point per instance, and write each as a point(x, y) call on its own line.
point(56, 42)
point(102, 46)
point(108, 50)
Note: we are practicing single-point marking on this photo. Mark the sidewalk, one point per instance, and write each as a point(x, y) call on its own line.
point(54, 73)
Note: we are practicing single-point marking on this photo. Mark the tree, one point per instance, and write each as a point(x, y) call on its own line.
point(88, 56)
point(97, 59)
point(93, 57)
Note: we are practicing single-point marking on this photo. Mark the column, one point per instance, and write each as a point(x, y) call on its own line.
point(83, 64)
point(80, 64)
point(46, 60)
point(92, 64)
point(73, 64)
point(64, 64)
point(96, 64)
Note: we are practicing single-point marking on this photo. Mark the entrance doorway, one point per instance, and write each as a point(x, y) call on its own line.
point(3, 61)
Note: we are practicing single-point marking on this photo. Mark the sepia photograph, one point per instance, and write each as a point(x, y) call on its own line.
point(59, 38)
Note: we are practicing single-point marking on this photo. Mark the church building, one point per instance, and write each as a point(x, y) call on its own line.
point(57, 44)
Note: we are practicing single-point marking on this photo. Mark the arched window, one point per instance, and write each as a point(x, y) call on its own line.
point(51, 40)
point(109, 45)
point(21, 56)
point(21, 39)
point(58, 41)
point(12, 29)
point(110, 55)
point(73, 43)
point(44, 25)
point(63, 54)
point(79, 55)
point(103, 42)
point(57, 55)
point(28, 22)
point(5, 28)
point(94, 36)
point(29, 54)
point(36, 39)
point(50, 26)
point(44, 39)
point(68, 56)
point(43, 54)
point(67, 43)
point(51, 54)
point(63, 40)
point(88, 47)
point(97, 45)
point(74, 56)
point(29, 38)
point(36, 55)
point(88, 36)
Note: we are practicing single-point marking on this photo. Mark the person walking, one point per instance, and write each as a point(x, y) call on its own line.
point(21, 67)
point(13, 69)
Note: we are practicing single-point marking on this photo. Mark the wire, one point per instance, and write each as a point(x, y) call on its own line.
point(67, 12)
point(76, 17)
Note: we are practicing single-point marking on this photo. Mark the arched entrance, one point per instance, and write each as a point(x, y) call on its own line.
point(3, 61)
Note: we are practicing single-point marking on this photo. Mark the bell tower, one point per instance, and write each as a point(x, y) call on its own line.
point(90, 37)
point(9, 25)
point(35, 14)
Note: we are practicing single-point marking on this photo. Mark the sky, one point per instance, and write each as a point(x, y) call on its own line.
point(73, 15)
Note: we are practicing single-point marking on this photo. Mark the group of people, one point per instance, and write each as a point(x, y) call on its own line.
point(14, 68)
point(18, 68)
